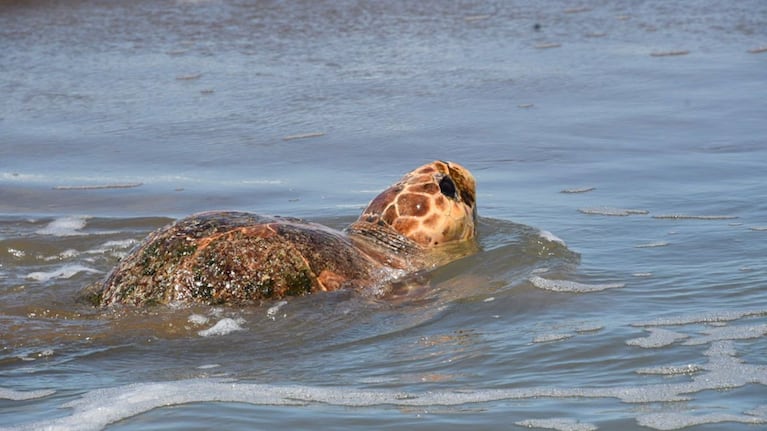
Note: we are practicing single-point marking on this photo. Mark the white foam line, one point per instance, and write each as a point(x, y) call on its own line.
point(652, 244)
point(107, 182)
point(578, 190)
point(198, 319)
point(694, 217)
point(658, 338)
point(588, 328)
point(66, 271)
point(223, 327)
point(99, 186)
point(571, 286)
point(608, 211)
point(65, 226)
point(740, 332)
point(114, 244)
point(274, 309)
point(66, 254)
point(558, 424)
point(671, 370)
point(674, 421)
point(10, 394)
point(712, 317)
point(548, 236)
point(260, 181)
point(548, 338)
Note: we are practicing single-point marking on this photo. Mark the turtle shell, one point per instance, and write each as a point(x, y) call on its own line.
point(236, 258)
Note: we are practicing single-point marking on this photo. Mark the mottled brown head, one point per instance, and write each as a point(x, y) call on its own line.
point(432, 205)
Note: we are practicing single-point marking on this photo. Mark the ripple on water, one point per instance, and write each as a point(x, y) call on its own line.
point(571, 286)
point(608, 211)
point(722, 369)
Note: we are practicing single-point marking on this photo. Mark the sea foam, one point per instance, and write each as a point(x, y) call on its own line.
point(548, 236)
point(658, 338)
point(558, 424)
point(66, 271)
point(223, 327)
point(65, 226)
point(11, 394)
point(571, 286)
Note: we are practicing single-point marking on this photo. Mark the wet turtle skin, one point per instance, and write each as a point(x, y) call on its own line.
point(235, 258)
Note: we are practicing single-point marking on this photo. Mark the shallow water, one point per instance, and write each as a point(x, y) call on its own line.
point(578, 123)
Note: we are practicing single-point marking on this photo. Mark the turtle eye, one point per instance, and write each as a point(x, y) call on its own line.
point(447, 187)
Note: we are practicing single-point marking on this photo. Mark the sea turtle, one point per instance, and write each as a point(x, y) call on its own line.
point(425, 219)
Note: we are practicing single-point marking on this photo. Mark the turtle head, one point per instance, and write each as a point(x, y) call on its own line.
point(433, 205)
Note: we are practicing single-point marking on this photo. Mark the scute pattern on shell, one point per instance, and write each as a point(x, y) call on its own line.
point(235, 258)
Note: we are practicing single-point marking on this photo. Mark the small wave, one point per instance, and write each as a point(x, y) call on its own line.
point(208, 366)
point(65, 226)
point(16, 252)
point(571, 286)
point(573, 329)
point(671, 370)
point(17, 176)
point(652, 244)
point(558, 424)
point(121, 243)
point(674, 421)
point(578, 190)
point(584, 329)
point(694, 217)
point(303, 136)
point(548, 236)
point(116, 248)
point(10, 394)
point(64, 255)
point(198, 319)
point(711, 317)
point(99, 186)
point(66, 271)
point(223, 327)
point(262, 181)
point(607, 211)
point(274, 309)
point(550, 338)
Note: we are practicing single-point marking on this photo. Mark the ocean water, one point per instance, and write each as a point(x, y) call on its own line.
point(620, 150)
